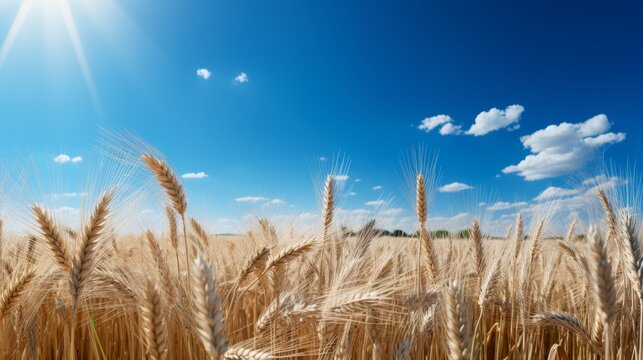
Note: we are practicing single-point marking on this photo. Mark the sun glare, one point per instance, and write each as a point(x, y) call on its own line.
point(51, 8)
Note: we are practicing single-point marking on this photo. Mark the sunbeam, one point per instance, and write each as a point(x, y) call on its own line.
point(78, 49)
point(18, 21)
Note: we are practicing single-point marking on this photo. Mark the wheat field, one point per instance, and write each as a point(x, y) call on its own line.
point(181, 293)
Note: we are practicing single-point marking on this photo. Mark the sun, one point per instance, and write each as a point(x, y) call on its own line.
point(62, 9)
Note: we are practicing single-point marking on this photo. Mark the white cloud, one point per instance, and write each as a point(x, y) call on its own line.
point(251, 199)
point(392, 212)
point(203, 73)
point(454, 187)
point(375, 203)
point(64, 159)
point(560, 149)
point(503, 205)
point(197, 175)
point(450, 129)
point(495, 119)
point(452, 223)
point(377, 187)
point(352, 193)
point(357, 180)
point(445, 122)
point(323, 159)
point(241, 78)
point(68, 195)
point(554, 192)
point(432, 122)
point(340, 177)
point(277, 202)
point(66, 210)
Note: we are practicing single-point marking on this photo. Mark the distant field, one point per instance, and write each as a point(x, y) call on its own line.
point(181, 293)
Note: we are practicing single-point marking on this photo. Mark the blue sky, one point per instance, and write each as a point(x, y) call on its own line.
point(326, 79)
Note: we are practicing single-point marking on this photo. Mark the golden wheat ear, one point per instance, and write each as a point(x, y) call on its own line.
point(12, 293)
point(84, 263)
point(154, 326)
point(52, 235)
point(207, 309)
point(168, 181)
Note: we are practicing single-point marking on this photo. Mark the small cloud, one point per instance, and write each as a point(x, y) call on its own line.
point(340, 177)
point(352, 193)
point(241, 78)
point(68, 195)
point(323, 159)
point(495, 119)
point(277, 202)
point(66, 210)
point(497, 175)
point(357, 180)
point(62, 159)
point(392, 212)
point(377, 187)
point(251, 199)
point(198, 175)
point(454, 187)
point(203, 73)
point(503, 205)
point(445, 122)
point(432, 122)
point(375, 203)
point(553, 192)
point(450, 129)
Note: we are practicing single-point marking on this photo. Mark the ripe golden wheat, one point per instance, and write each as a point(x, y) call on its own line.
point(89, 295)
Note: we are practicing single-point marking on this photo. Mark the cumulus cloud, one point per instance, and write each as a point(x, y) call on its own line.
point(554, 192)
point(241, 78)
point(454, 187)
point(559, 149)
point(64, 159)
point(375, 203)
point(251, 199)
point(495, 119)
point(340, 177)
point(197, 175)
point(277, 202)
point(451, 223)
point(432, 122)
point(450, 129)
point(377, 187)
point(445, 122)
point(203, 73)
point(503, 205)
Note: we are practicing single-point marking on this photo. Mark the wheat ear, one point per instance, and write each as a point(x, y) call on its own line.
point(475, 244)
point(174, 234)
point(88, 252)
point(175, 193)
point(154, 326)
point(207, 310)
point(53, 238)
point(16, 287)
point(568, 322)
point(455, 326)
